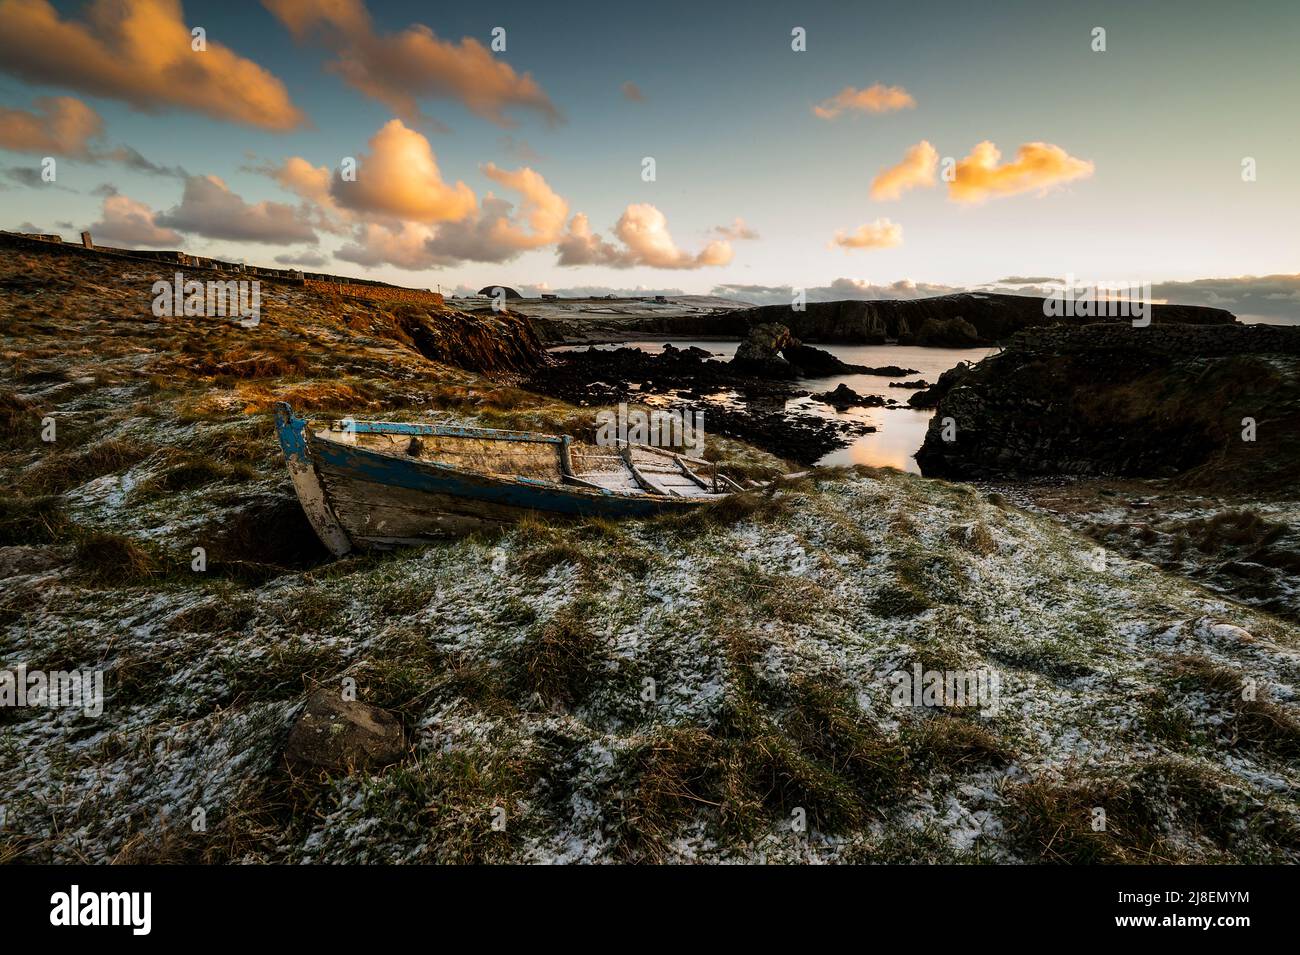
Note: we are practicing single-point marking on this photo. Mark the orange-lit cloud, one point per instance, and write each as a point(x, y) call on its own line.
point(881, 234)
point(400, 178)
point(643, 230)
point(398, 68)
point(918, 168)
point(874, 99)
point(738, 230)
point(1037, 167)
point(139, 51)
point(497, 233)
point(131, 223)
point(63, 126)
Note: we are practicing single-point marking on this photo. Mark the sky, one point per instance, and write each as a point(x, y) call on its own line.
point(904, 150)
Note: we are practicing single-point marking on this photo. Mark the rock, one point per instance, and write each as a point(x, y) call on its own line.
point(932, 395)
point(948, 333)
point(1111, 400)
point(760, 352)
point(845, 397)
point(342, 736)
point(1226, 631)
point(919, 383)
point(995, 317)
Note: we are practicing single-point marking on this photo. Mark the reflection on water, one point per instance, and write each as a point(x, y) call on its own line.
point(899, 431)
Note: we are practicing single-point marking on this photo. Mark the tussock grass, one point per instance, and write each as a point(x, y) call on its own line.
point(31, 520)
point(1055, 821)
point(244, 362)
point(60, 471)
point(561, 660)
point(114, 560)
point(1257, 723)
point(20, 420)
point(945, 743)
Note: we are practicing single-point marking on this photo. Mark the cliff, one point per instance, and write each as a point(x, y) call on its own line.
point(967, 318)
point(1118, 401)
point(52, 278)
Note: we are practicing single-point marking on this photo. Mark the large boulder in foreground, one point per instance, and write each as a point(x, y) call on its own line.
point(341, 736)
point(1219, 405)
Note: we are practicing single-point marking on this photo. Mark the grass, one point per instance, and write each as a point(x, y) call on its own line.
point(60, 471)
point(1253, 721)
point(32, 520)
point(105, 559)
point(1144, 806)
point(561, 660)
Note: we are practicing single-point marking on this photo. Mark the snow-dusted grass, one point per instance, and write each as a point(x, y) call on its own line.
point(680, 690)
point(712, 687)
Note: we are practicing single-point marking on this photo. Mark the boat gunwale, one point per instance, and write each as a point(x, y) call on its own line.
point(582, 491)
point(349, 426)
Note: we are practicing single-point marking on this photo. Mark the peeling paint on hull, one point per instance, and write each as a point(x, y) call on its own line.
point(358, 497)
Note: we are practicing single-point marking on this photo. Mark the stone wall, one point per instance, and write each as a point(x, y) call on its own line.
point(392, 294)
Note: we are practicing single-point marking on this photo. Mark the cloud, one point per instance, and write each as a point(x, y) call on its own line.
point(400, 178)
point(881, 234)
point(581, 246)
point(1027, 280)
point(312, 260)
point(497, 234)
point(632, 92)
point(131, 223)
point(1256, 296)
point(62, 125)
point(398, 68)
point(643, 230)
point(737, 231)
point(139, 51)
point(918, 168)
point(1037, 166)
point(839, 290)
point(210, 209)
point(497, 231)
point(404, 245)
point(518, 149)
point(30, 177)
point(132, 159)
point(579, 291)
point(874, 99)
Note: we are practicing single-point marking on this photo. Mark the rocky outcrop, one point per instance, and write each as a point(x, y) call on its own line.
point(844, 397)
point(761, 351)
point(948, 333)
point(1217, 405)
point(771, 351)
point(493, 343)
point(929, 398)
point(342, 736)
point(994, 317)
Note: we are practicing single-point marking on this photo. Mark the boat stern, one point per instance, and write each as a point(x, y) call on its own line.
point(291, 431)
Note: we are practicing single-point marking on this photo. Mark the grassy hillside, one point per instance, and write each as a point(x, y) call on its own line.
point(711, 688)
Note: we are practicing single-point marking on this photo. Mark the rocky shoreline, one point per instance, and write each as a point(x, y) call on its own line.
point(744, 398)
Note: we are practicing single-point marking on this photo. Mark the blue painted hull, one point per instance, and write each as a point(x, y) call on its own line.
point(356, 496)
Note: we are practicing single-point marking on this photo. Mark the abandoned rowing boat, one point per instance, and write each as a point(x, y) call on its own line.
point(376, 484)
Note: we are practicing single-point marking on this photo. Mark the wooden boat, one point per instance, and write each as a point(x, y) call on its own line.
point(377, 484)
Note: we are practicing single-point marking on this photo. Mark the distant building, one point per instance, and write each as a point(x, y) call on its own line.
point(549, 297)
point(661, 299)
